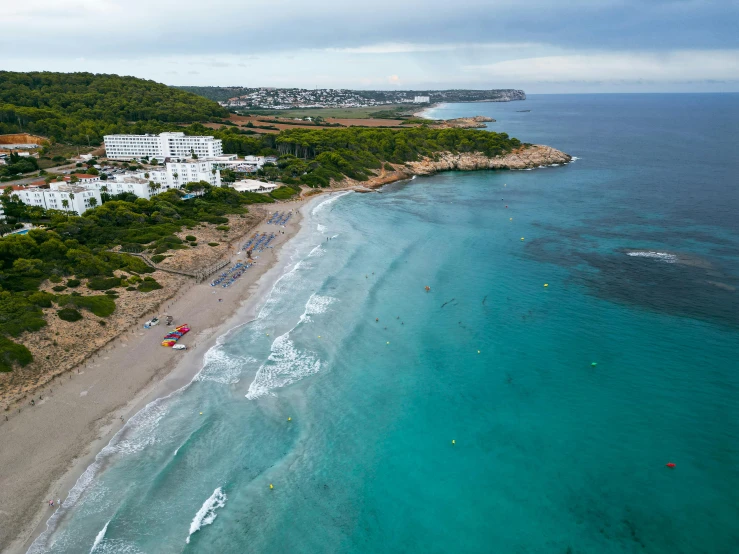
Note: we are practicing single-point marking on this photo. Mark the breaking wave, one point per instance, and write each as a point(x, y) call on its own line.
point(330, 200)
point(286, 364)
point(99, 538)
point(207, 512)
point(661, 256)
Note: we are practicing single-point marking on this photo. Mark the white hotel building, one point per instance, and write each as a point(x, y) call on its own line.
point(77, 197)
point(162, 146)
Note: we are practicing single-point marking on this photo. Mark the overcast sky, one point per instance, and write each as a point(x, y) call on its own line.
point(537, 45)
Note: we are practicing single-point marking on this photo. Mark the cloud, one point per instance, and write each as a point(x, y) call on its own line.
point(410, 47)
point(431, 43)
point(393, 80)
point(678, 66)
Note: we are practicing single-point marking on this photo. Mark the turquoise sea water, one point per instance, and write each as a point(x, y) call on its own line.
point(638, 242)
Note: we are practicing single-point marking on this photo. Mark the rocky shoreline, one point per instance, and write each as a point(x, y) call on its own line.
point(526, 157)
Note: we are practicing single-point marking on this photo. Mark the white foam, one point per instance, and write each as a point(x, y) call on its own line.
point(219, 367)
point(318, 304)
point(330, 200)
point(661, 256)
point(285, 365)
point(207, 512)
point(99, 538)
point(320, 228)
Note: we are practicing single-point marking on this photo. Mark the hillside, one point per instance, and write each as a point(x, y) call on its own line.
point(82, 107)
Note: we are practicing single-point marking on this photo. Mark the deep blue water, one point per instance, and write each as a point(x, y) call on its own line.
point(638, 242)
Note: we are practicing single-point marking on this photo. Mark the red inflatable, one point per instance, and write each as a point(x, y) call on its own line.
point(670, 464)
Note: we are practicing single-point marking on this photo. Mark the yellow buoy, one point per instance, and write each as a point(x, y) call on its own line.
point(510, 219)
point(478, 351)
point(319, 336)
point(388, 342)
point(271, 486)
point(521, 238)
point(289, 419)
point(201, 413)
point(546, 284)
point(454, 442)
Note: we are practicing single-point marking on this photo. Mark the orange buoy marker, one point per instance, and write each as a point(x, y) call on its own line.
point(670, 464)
point(428, 288)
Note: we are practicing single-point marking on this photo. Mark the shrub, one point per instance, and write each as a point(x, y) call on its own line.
point(131, 288)
point(69, 314)
point(193, 244)
point(213, 243)
point(157, 258)
point(102, 283)
point(12, 353)
point(59, 288)
point(224, 228)
point(149, 285)
point(73, 283)
point(388, 167)
point(283, 193)
point(55, 279)
point(191, 238)
point(100, 305)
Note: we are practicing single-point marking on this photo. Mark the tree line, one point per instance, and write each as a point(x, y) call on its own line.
point(80, 108)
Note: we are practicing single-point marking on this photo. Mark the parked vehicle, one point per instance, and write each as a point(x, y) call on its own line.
point(151, 323)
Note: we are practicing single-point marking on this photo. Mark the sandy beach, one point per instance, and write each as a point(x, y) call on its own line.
point(46, 447)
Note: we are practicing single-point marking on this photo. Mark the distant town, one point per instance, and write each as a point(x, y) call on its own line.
point(289, 98)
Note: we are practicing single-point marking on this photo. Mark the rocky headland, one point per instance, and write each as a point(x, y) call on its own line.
point(526, 157)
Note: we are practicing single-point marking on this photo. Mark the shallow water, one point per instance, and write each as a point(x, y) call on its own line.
point(550, 452)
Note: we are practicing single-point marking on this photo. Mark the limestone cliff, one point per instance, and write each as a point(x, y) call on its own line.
point(535, 155)
point(526, 157)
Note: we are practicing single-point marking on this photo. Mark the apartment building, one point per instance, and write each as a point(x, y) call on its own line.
point(163, 146)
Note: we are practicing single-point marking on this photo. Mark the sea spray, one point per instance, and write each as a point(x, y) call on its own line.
point(207, 512)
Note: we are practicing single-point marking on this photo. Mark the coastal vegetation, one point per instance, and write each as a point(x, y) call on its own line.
point(80, 108)
point(77, 249)
point(316, 157)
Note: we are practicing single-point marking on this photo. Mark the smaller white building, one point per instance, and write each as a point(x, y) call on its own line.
point(60, 196)
point(178, 174)
point(132, 184)
point(252, 185)
point(421, 99)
